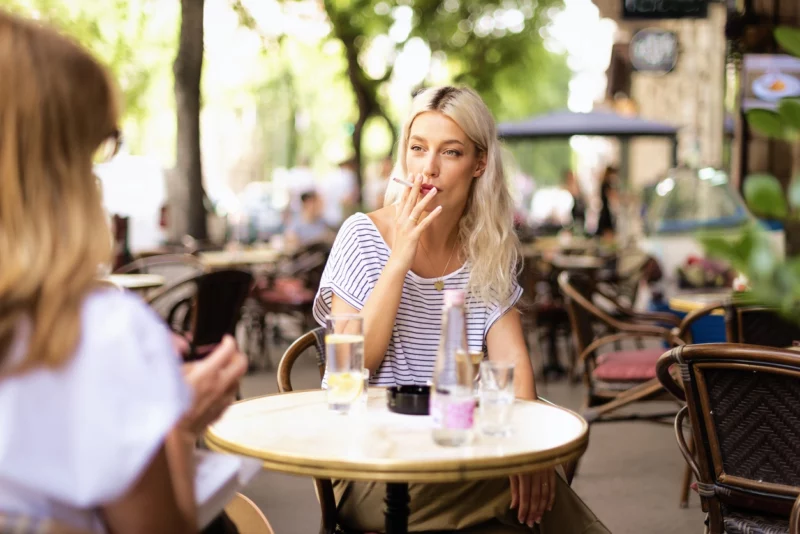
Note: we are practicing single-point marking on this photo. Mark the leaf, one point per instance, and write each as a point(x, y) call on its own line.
point(789, 111)
point(789, 39)
point(764, 195)
point(793, 193)
point(766, 122)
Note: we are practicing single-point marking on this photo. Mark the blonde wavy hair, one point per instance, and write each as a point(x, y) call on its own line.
point(486, 229)
point(57, 105)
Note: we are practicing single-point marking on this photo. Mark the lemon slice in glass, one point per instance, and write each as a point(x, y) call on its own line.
point(344, 388)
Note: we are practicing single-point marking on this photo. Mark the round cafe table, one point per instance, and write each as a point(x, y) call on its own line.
point(295, 433)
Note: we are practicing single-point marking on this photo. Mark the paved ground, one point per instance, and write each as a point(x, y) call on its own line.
point(629, 475)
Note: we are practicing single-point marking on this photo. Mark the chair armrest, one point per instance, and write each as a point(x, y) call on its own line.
point(687, 455)
point(664, 367)
point(794, 518)
point(687, 322)
point(653, 317)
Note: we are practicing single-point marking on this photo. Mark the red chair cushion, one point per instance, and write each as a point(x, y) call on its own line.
point(286, 291)
point(627, 365)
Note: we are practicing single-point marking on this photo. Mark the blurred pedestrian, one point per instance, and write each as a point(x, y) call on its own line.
point(309, 226)
point(578, 204)
point(606, 223)
point(339, 192)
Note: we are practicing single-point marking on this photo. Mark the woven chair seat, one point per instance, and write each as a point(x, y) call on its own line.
point(627, 365)
point(738, 523)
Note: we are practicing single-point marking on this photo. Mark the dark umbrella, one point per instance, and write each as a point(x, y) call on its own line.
point(565, 124)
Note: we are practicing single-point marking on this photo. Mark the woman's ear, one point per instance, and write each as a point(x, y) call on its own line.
point(480, 168)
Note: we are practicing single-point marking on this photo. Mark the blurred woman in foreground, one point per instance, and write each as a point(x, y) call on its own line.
point(97, 423)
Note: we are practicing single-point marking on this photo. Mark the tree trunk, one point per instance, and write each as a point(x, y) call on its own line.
point(190, 215)
point(365, 109)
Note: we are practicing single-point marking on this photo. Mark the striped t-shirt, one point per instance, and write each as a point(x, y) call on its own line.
point(356, 261)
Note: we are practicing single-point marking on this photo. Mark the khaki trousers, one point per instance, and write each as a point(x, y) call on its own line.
point(480, 507)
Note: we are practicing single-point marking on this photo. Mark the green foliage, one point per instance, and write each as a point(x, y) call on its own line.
point(789, 112)
point(764, 195)
point(773, 282)
point(509, 67)
point(126, 35)
point(766, 122)
point(789, 39)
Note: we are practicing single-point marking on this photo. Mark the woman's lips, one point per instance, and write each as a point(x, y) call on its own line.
point(427, 187)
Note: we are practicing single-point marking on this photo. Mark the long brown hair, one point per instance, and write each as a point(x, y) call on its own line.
point(57, 105)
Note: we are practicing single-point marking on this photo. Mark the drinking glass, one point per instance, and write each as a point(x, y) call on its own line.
point(496, 397)
point(344, 354)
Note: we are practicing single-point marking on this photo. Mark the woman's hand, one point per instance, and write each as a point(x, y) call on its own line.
point(407, 224)
point(214, 381)
point(532, 495)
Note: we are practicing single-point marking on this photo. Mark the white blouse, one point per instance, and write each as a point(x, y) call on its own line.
point(77, 437)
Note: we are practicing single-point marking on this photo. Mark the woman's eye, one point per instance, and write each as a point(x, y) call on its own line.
point(454, 153)
point(416, 148)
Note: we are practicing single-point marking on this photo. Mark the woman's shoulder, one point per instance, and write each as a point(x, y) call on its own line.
point(364, 229)
point(120, 310)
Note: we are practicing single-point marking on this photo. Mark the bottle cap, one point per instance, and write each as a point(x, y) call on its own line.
point(454, 297)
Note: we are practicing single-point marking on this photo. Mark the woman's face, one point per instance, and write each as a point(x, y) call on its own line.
point(440, 150)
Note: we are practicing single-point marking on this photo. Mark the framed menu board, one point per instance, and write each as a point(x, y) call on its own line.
point(664, 9)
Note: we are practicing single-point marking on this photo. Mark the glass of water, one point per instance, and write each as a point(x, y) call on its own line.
point(496, 397)
point(344, 354)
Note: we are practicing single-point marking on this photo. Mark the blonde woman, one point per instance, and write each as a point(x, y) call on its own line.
point(451, 230)
point(97, 420)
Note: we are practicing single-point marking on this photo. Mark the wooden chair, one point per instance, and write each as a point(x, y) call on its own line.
point(289, 291)
point(614, 379)
point(204, 307)
point(743, 403)
point(313, 339)
point(744, 323)
point(247, 517)
point(323, 486)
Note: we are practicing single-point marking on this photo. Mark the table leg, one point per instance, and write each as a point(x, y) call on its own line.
point(396, 513)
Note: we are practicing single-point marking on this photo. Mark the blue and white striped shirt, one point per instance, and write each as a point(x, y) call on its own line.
point(356, 261)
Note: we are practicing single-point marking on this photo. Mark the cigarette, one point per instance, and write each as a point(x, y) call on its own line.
point(403, 182)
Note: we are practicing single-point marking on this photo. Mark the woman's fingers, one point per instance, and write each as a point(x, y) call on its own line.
point(514, 491)
point(524, 497)
point(422, 204)
point(402, 205)
point(534, 513)
point(424, 223)
point(552, 500)
point(544, 495)
point(413, 197)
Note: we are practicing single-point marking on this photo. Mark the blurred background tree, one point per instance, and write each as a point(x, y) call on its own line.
point(495, 47)
point(284, 80)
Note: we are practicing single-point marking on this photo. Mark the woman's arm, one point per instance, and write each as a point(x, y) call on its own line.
point(379, 313)
point(152, 504)
point(380, 309)
point(532, 494)
point(505, 342)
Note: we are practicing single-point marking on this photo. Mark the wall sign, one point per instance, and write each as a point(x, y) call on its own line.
point(664, 9)
point(654, 50)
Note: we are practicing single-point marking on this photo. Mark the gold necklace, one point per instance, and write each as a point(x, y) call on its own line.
point(439, 284)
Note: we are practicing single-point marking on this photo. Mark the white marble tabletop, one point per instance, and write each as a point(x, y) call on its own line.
point(296, 433)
